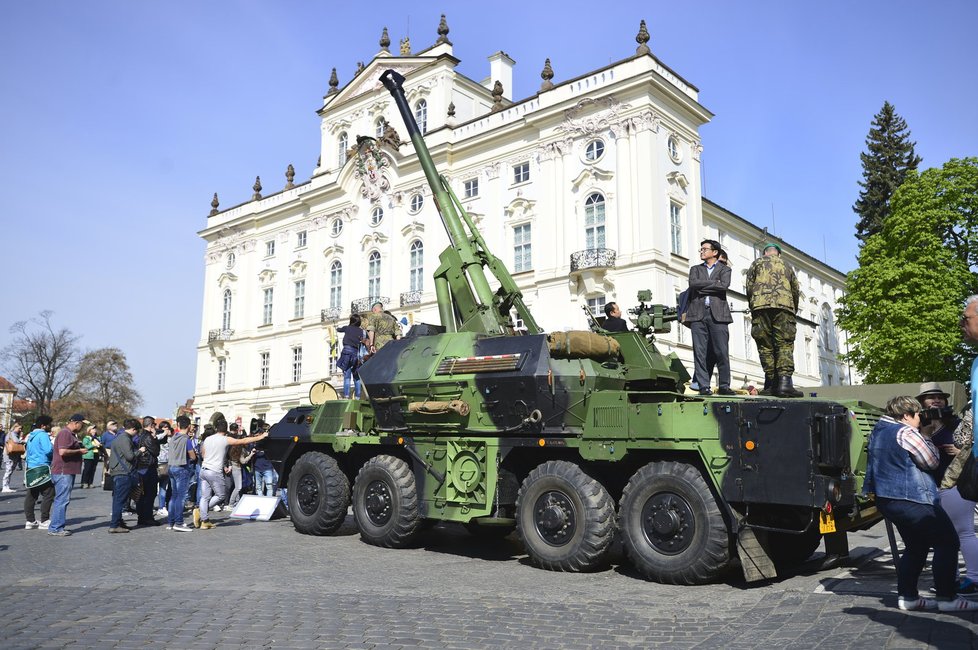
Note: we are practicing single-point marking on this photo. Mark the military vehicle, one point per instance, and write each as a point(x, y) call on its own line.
point(568, 438)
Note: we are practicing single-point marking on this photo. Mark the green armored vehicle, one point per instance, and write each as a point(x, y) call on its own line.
point(569, 438)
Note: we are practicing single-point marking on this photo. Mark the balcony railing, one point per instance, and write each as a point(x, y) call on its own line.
point(361, 305)
point(593, 258)
point(219, 335)
point(329, 315)
point(410, 298)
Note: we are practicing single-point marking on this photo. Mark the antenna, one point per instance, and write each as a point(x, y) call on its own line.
point(774, 224)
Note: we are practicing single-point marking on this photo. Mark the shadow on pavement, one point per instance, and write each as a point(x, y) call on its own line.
point(921, 627)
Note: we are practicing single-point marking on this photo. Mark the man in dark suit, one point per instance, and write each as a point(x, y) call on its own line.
point(708, 316)
point(613, 322)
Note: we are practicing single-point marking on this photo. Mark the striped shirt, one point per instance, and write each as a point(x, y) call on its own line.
point(922, 451)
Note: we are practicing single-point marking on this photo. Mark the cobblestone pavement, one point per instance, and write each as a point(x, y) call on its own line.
point(262, 585)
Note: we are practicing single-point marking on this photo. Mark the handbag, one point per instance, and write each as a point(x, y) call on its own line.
point(136, 493)
point(15, 448)
point(37, 476)
point(968, 479)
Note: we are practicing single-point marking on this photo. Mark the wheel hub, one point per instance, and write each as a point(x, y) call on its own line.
point(668, 523)
point(553, 518)
point(307, 495)
point(377, 501)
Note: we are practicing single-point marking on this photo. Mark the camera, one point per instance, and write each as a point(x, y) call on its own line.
point(935, 413)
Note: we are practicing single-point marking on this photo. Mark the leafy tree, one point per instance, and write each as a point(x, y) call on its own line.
point(40, 361)
point(889, 157)
point(104, 387)
point(902, 304)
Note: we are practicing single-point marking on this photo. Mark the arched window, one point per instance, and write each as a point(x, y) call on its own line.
point(342, 144)
point(417, 265)
point(373, 275)
point(226, 318)
point(827, 327)
point(379, 127)
point(594, 221)
point(421, 115)
point(335, 284)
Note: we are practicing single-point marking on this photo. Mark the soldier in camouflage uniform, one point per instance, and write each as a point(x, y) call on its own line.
point(772, 293)
point(382, 328)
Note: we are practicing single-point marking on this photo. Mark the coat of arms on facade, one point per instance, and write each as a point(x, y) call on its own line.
point(369, 167)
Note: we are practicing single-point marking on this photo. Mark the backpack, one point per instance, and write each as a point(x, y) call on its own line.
point(682, 306)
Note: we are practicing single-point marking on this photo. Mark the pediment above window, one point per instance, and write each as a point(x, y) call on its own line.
point(591, 176)
point(297, 268)
point(678, 179)
point(519, 209)
point(333, 251)
point(267, 276)
point(416, 227)
point(372, 239)
point(226, 279)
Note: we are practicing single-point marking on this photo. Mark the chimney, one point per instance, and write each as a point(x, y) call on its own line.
point(501, 70)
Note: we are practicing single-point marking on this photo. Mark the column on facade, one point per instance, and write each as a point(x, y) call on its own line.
point(551, 170)
point(648, 191)
point(625, 235)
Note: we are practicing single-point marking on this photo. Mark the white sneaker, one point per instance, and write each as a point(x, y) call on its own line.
point(30, 525)
point(162, 512)
point(957, 605)
point(216, 508)
point(919, 604)
point(182, 528)
point(228, 508)
point(169, 527)
point(44, 525)
point(7, 490)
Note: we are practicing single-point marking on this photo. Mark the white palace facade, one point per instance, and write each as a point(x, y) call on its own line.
point(588, 190)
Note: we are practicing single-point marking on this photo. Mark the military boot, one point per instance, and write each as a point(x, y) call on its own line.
point(785, 388)
point(768, 386)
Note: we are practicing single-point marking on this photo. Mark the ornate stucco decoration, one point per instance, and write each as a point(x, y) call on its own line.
point(333, 251)
point(373, 239)
point(297, 269)
point(591, 176)
point(416, 92)
point(226, 279)
point(266, 277)
point(369, 166)
point(414, 229)
point(519, 209)
point(677, 186)
point(591, 116)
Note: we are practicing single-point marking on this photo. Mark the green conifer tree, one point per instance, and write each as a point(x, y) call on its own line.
point(888, 157)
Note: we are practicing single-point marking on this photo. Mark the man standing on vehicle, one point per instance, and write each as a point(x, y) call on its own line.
point(382, 328)
point(772, 294)
point(708, 315)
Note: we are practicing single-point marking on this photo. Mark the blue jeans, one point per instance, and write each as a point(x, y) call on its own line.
point(922, 528)
point(348, 364)
point(179, 481)
point(62, 497)
point(266, 482)
point(121, 487)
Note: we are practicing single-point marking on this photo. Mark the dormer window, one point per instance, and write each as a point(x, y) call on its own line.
point(421, 115)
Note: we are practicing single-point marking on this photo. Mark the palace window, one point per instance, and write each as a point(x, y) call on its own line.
point(266, 314)
point(522, 259)
point(221, 373)
point(676, 227)
point(376, 216)
point(263, 361)
point(342, 145)
point(270, 248)
point(594, 221)
point(470, 188)
point(521, 173)
point(421, 115)
point(593, 150)
point(226, 315)
point(300, 299)
point(300, 239)
point(417, 266)
point(296, 364)
point(335, 285)
point(373, 275)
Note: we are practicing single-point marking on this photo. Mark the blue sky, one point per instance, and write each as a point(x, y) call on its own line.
point(121, 119)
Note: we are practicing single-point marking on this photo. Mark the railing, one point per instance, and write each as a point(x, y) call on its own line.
point(411, 298)
point(219, 335)
point(361, 305)
point(329, 315)
point(593, 258)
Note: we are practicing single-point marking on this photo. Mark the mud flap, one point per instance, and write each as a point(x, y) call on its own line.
point(754, 559)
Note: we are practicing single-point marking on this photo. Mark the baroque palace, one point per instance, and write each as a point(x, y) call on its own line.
point(588, 190)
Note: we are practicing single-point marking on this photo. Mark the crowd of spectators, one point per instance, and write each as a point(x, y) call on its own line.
point(158, 472)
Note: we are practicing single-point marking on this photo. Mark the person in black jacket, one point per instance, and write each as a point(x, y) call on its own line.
point(122, 468)
point(613, 322)
point(147, 467)
point(708, 316)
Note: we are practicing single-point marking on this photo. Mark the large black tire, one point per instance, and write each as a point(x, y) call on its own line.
point(565, 518)
point(672, 529)
point(385, 502)
point(319, 494)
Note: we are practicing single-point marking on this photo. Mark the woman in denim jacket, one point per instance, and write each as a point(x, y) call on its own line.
point(906, 495)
